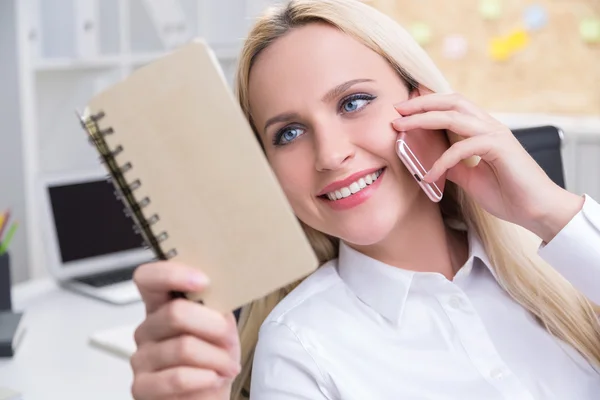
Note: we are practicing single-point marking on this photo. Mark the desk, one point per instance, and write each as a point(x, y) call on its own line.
point(54, 359)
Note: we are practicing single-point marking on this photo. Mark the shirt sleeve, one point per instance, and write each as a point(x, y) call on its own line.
point(283, 369)
point(575, 251)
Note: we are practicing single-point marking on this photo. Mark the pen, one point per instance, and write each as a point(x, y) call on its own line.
point(4, 221)
point(8, 238)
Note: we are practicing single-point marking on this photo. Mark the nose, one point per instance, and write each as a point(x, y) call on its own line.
point(333, 149)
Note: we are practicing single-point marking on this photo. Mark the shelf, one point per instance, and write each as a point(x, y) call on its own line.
point(224, 52)
point(585, 127)
point(70, 64)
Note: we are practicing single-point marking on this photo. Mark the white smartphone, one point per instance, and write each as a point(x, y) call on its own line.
point(418, 152)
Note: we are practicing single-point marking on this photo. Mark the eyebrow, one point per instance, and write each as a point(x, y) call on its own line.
point(280, 118)
point(339, 89)
point(330, 95)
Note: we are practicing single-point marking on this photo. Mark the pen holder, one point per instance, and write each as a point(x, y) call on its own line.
point(5, 297)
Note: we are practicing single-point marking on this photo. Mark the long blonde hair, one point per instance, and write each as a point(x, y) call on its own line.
point(564, 312)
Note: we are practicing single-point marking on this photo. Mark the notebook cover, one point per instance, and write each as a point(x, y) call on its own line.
point(9, 326)
point(206, 176)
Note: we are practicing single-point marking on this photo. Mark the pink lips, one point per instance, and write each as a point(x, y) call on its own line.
point(354, 199)
point(332, 187)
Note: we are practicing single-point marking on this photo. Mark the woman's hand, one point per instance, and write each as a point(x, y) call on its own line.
point(185, 350)
point(507, 182)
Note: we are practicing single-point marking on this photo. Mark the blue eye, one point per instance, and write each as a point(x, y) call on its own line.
point(356, 102)
point(287, 135)
point(354, 105)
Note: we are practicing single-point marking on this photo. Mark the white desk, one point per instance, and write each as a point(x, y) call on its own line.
point(54, 359)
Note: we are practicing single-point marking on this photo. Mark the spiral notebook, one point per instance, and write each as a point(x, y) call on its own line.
point(194, 178)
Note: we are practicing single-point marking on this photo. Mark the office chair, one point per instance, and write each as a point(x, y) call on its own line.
point(544, 144)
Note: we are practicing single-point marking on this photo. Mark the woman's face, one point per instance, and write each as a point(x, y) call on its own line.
point(322, 104)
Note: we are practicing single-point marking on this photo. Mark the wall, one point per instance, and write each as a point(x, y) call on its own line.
point(12, 191)
point(553, 71)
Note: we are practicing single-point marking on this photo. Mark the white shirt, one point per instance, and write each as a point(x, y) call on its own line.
point(358, 329)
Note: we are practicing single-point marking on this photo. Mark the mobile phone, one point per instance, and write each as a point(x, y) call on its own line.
point(418, 152)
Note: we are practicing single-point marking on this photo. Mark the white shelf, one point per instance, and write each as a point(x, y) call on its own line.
point(66, 64)
point(66, 51)
point(585, 127)
point(224, 52)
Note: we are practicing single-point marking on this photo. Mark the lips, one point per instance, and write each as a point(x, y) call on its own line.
point(357, 191)
point(355, 186)
point(351, 185)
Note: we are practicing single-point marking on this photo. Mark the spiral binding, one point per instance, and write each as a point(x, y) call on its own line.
point(124, 190)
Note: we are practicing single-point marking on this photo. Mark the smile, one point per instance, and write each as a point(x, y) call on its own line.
point(354, 187)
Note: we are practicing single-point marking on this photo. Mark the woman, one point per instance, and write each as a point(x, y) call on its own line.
point(415, 299)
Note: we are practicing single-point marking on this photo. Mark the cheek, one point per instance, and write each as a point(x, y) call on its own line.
point(294, 173)
point(376, 134)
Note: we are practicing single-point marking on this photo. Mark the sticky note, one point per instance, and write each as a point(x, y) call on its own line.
point(535, 17)
point(421, 32)
point(454, 46)
point(517, 40)
point(499, 50)
point(490, 9)
point(589, 29)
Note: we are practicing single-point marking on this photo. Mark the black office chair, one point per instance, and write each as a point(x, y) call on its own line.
point(544, 144)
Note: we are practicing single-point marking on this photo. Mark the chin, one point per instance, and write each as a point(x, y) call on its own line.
point(368, 229)
point(366, 226)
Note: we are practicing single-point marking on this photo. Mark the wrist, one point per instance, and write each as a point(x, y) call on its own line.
point(561, 208)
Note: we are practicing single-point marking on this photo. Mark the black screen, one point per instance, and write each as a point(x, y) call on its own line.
point(89, 221)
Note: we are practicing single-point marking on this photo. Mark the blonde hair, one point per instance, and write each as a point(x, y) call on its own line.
point(563, 311)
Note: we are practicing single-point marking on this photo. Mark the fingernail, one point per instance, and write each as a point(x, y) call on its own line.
point(199, 279)
point(398, 104)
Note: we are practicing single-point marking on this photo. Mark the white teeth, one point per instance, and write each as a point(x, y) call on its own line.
point(354, 187)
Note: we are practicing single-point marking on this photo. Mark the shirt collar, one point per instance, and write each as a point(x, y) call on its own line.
point(383, 287)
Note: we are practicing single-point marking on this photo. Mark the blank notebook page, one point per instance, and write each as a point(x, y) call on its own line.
point(118, 340)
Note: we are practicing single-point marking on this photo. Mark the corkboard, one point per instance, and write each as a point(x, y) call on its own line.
point(556, 73)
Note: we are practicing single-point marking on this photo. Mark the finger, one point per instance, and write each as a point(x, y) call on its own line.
point(155, 282)
point(182, 316)
point(174, 382)
point(461, 124)
point(440, 102)
point(480, 146)
point(187, 351)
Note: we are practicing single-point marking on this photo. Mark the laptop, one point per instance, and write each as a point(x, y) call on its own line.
point(92, 247)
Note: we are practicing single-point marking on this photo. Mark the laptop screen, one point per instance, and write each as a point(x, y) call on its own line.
point(90, 222)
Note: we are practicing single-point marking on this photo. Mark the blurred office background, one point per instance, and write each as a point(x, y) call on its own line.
point(530, 63)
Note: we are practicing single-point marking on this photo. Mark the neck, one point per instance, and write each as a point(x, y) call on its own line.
point(421, 242)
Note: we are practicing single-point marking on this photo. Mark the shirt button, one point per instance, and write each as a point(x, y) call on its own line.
point(497, 373)
point(455, 302)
